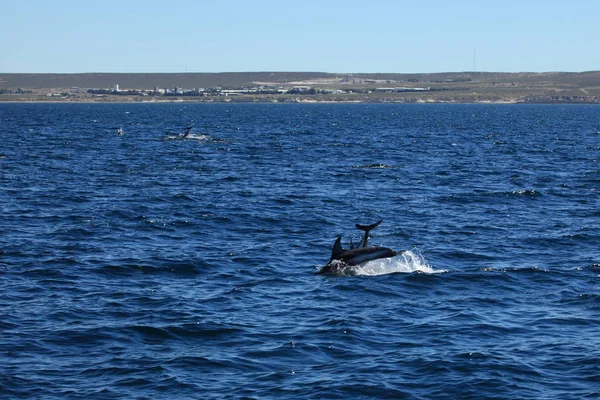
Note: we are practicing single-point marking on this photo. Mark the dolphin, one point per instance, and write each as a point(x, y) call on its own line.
point(181, 135)
point(341, 257)
point(187, 131)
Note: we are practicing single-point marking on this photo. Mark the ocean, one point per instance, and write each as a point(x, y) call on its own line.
point(152, 266)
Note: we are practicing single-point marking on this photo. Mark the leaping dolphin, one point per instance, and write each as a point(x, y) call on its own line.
point(341, 257)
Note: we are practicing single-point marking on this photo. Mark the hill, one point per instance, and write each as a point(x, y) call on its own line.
point(150, 80)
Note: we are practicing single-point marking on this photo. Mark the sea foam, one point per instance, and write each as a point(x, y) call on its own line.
point(406, 262)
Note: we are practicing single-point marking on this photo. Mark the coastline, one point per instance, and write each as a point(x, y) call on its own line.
point(304, 87)
point(303, 101)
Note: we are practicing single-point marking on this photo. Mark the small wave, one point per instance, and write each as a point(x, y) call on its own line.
point(526, 192)
point(472, 197)
point(375, 166)
point(205, 330)
point(407, 262)
point(160, 266)
point(523, 270)
point(516, 193)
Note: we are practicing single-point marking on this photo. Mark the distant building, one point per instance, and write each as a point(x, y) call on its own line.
point(301, 88)
point(400, 89)
point(116, 89)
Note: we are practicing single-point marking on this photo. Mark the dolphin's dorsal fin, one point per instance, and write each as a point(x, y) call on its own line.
point(337, 248)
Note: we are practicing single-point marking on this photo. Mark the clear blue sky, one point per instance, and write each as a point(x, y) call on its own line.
point(404, 36)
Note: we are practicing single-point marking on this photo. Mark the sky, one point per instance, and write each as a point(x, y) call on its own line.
point(375, 36)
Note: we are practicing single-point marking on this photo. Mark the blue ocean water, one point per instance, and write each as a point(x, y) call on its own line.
point(144, 265)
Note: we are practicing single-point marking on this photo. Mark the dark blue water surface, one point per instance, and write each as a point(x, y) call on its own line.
point(145, 266)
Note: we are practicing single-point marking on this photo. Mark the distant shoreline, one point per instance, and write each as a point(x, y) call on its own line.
point(292, 101)
point(304, 87)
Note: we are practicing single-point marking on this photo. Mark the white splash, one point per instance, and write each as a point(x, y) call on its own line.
point(406, 262)
point(197, 137)
point(191, 136)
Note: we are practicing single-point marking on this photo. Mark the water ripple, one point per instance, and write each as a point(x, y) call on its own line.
point(138, 267)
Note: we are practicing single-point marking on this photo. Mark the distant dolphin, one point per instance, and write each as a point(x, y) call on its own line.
point(181, 135)
point(341, 257)
point(187, 131)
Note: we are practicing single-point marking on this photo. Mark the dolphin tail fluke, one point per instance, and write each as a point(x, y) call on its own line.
point(368, 228)
point(337, 248)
